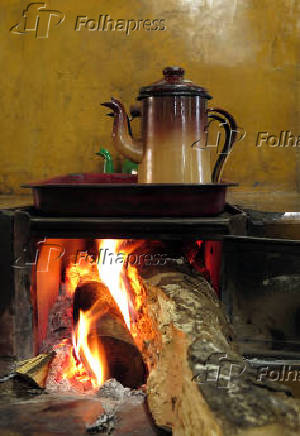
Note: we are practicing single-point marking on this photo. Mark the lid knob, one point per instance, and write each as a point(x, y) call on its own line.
point(173, 73)
point(173, 84)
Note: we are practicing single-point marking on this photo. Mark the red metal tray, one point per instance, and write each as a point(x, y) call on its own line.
point(120, 195)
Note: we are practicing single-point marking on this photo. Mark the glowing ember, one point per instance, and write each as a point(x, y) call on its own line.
point(83, 364)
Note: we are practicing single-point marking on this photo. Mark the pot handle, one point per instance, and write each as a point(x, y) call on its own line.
point(228, 123)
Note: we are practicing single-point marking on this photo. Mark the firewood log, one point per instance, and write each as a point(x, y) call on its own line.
point(124, 361)
point(92, 295)
point(182, 326)
point(35, 369)
point(28, 378)
point(113, 326)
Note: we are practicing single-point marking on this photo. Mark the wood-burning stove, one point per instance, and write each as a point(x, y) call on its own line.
point(24, 232)
point(182, 302)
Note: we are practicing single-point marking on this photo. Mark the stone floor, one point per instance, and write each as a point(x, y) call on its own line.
point(49, 415)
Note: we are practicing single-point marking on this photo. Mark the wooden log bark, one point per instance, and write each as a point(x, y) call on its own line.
point(113, 326)
point(181, 325)
point(94, 297)
point(28, 377)
point(35, 369)
point(125, 362)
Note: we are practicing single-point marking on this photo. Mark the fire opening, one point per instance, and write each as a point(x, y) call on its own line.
point(88, 298)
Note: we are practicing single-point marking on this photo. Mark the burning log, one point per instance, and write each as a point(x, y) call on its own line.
point(125, 360)
point(180, 329)
point(107, 337)
point(95, 296)
point(110, 325)
point(183, 336)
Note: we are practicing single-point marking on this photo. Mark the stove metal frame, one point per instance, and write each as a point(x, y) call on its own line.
point(28, 228)
point(232, 222)
point(23, 228)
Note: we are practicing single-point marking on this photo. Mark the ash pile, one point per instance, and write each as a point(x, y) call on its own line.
point(113, 394)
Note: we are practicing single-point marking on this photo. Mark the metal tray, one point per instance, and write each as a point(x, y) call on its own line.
point(119, 195)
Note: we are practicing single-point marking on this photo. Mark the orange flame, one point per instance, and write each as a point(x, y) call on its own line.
point(87, 364)
point(110, 267)
point(91, 356)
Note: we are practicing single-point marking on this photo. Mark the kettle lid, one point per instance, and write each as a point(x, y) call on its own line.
point(173, 84)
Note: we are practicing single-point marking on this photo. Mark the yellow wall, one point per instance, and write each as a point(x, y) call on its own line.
point(243, 51)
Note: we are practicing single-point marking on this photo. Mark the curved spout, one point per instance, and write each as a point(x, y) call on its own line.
point(123, 141)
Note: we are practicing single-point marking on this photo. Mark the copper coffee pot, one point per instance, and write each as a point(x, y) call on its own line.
point(175, 119)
